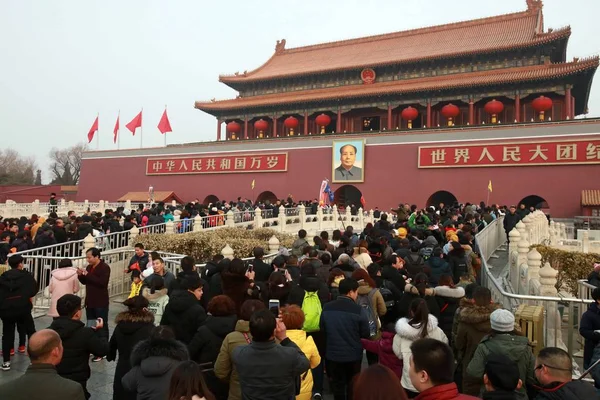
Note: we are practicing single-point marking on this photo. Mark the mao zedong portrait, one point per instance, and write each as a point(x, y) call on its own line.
point(347, 171)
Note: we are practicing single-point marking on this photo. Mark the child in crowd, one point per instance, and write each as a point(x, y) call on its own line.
point(157, 297)
point(136, 283)
point(384, 349)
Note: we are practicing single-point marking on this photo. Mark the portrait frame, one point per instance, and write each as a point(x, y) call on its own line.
point(338, 175)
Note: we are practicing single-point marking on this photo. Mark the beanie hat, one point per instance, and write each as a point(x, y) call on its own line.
point(502, 321)
point(502, 372)
point(402, 232)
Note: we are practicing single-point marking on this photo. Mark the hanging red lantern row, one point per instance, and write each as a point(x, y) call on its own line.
point(409, 114)
point(450, 111)
point(323, 120)
point(291, 123)
point(541, 105)
point(233, 128)
point(494, 107)
point(261, 126)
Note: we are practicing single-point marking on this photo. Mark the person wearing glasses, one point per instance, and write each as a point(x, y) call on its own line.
point(554, 371)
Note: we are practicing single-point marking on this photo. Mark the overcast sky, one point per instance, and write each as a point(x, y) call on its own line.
point(64, 61)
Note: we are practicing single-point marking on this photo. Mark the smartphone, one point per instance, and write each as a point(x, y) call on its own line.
point(250, 268)
point(274, 307)
point(91, 323)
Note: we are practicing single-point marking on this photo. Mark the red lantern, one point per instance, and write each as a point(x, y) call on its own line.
point(291, 123)
point(494, 107)
point(261, 125)
point(323, 120)
point(450, 111)
point(408, 114)
point(233, 128)
point(541, 105)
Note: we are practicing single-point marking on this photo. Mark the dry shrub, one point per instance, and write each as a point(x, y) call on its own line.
point(571, 265)
point(204, 245)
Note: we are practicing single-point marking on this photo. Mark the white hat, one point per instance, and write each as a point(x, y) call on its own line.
point(502, 321)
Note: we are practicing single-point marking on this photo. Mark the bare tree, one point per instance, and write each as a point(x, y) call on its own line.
point(65, 165)
point(16, 169)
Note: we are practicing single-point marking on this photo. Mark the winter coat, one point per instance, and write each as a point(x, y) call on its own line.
point(498, 395)
point(308, 347)
point(17, 287)
point(596, 371)
point(573, 390)
point(78, 342)
point(448, 299)
point(406, 334)
point(459, 263)
point(236, 287)
point(377, 303)
point(262, 270)
point(410, 293)
point(449, 391)
point(130, 329)
point(385, 351)
point(298, 247)
point(414, 264)
point(268, 370)
point(224, 368)
point(515, 347)
point(590, 322)
point(184, 314)
point(168, 279)
point(362, 257)
point(344, 323)
point(141, 261)
point(511, 221)
point(153, 363)
point(41, 381)
point(473, 326)
point(157, 302)
point(96, 285)
point(593, 278)
point(308, 284)
point(62, 281)
point(437, 267)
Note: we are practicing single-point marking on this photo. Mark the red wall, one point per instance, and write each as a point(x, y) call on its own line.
point(391, 176)
point(30, 193)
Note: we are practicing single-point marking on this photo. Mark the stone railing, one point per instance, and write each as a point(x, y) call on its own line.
point(11, 209)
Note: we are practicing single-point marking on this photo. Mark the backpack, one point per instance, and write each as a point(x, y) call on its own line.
point(413, 266)
point(426, 252)
point(388, 295)
point(311, 306)
point(365, 301)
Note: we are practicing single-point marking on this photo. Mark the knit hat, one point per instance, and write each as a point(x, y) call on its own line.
point(502, 321)
point(402, 232)
point(502, 372)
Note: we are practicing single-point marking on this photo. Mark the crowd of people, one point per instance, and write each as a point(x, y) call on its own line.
point(401, 297)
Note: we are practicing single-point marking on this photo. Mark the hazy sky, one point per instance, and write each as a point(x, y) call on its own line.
point(64, 61)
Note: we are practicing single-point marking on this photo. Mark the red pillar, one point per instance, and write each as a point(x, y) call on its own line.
point(573, 106)
point(389, 124)
point(568, 104)
point(218, 129)
point(246, 128)
point(518, 108)
point(429, 113)
point(274, 126)
point(305, 123)
point(471, 113)
point(338, 123)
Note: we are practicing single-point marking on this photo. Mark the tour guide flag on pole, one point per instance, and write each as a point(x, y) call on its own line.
point(93, 130)
point(253, 182)
point(490, 186)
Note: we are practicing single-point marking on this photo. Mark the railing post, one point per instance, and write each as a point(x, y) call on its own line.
point(88, 243)
point(36, 207)
point(336, 215)
point(513, 255)
point(553, 322)
point(585, 241)
point(523, 249)
point(302, 215)
point(133, 234)
point(282, 219)
point(169, 227)
point(197, 224)
point(128, 204)
point(273, 244)
point(348, 216)
point(522, 230)
point(361, 219)
point(372, 217)
point(229, 221)
point(528, 228)
point(534, 261)
point(552, 233)
point(227, 252)
point(320, 219)
point(86, 205)
point(258, 218)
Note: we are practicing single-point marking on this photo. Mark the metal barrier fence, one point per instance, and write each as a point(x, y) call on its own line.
point(561, 314)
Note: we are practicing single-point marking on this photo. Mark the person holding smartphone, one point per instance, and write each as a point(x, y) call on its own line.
point(79, 340)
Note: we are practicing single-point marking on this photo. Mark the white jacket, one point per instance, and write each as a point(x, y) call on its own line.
point(405, 335)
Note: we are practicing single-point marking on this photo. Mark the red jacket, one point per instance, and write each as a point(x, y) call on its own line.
point(96, 285)
point(448, 391)
point(383, 348)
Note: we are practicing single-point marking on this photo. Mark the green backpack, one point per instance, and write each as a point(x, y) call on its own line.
point(311, 306)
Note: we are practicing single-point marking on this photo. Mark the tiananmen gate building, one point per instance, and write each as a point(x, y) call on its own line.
point(422, 116)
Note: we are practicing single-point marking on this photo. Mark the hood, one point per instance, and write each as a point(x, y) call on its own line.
point(297, 336)
point(477, 316)
point(153, 296)
point(592, 307)
point(221, 326)
point(62, 274)
point(181, 300)
point(364, 288)
point(430, 241)
point(511, 345)
point(310, 283)
point(407, 331)
point(446, 291)
point(436, 262)
point(66, 327)
point(409, 288)
point(242, 326)
point(131, 322)
point(387, 341)
point(13, 278)
point(155, 357)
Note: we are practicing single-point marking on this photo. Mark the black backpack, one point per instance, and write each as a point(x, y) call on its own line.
point(387, 293)
point(413, 266)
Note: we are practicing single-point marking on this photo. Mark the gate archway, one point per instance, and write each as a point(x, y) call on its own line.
point(441, 196)
point(266, 195)
point(347, 195)
point(211, 198)
point(534, 201)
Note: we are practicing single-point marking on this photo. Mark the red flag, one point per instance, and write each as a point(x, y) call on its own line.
point(164, 125)
point(363, 202)
point(135, 123)
point(116, 130)
point(93, 130)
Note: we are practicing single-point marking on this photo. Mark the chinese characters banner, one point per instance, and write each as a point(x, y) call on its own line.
point(217, 164)
point(510, 154)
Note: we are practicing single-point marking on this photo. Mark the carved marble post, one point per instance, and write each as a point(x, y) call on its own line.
point(320, 219)
point(302, 215)
point(548, 288)
point(197, 224)
point(348, 216)
point(273, 244)
point(229, 219)
point(513, 256)
point(585, 242)
point(336, 215)
point(227, 252)
point(552, 233)
point(361, 219)
point(534, 261)
point(88, 243)
point(528, 226)
point(282, 219)
point(170, 228)
point(522, 230)
point(258, 223)
point(523, 250)
point(133, 234)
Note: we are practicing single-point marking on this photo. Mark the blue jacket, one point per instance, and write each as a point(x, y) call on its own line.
point(590, 322)
point(344, 325)
point(438, 268)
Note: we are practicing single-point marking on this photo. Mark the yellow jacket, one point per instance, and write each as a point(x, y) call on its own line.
point(308, 347)
point(135, 289)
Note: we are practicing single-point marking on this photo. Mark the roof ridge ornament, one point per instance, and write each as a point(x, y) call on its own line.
point(534, 5)
point(280, 46)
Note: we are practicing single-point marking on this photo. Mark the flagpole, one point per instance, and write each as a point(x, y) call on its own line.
point(98, 133)
point(119, 131)
point(165, 132)
point(142, 128)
